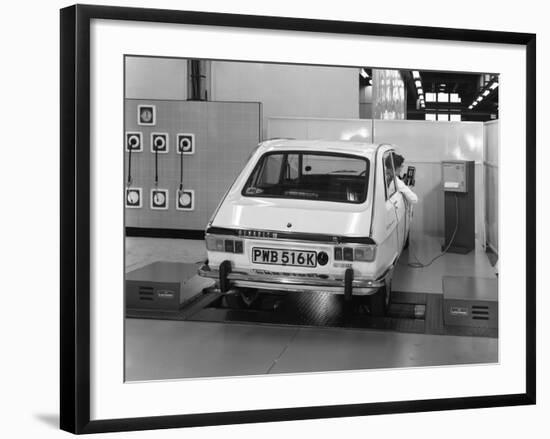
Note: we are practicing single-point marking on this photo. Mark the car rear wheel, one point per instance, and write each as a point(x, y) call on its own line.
point(348, 293)
point(380, 301)
point(407, 241)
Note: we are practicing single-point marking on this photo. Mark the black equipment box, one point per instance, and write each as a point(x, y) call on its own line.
point(163, 286)
point(459, 190)
point(470, 301)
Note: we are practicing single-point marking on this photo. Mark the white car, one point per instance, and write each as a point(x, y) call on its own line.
point(311, 215)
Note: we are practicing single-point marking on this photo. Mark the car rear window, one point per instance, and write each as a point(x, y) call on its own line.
point(311, 176)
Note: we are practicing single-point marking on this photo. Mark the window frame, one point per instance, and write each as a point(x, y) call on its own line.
point(261, 162)
point(391, 152)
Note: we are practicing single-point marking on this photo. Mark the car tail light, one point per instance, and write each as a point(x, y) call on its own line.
point(220, 244)
point(363, 253)
point(348, 254)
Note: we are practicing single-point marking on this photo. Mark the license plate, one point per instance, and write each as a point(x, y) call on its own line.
point(274, 256)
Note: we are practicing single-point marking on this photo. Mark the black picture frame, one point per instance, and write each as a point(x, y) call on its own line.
point(75, 217)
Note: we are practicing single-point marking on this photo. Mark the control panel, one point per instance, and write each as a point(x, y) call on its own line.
point(455, 176)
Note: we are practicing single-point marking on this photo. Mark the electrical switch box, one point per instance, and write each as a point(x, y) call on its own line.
point(134, 141)
point(186, 143)
point(455, 176)
point(159, 142)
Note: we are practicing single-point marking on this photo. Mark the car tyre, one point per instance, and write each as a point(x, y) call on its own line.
point(380, 301)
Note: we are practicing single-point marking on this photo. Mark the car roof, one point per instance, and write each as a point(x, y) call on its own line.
point(337, 146)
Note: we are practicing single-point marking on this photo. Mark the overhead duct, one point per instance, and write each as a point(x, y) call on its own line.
point(198, 79)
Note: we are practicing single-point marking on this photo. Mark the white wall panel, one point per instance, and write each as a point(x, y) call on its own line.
point(289, 90)
point(428, 213)
point(427, 141)
point(426, 144)
point(492, 142)
point(156, 78)
point(317, 129)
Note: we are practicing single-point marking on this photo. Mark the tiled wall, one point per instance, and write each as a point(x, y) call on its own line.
point(225, 134)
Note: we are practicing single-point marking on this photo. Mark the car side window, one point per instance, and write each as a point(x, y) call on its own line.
point(389, 174)
point(270, 172)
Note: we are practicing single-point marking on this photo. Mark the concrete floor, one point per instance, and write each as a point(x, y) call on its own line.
point(158, 349)
point(429, 279)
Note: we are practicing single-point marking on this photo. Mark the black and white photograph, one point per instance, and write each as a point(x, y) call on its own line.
point(277, 218)
point(332, 218)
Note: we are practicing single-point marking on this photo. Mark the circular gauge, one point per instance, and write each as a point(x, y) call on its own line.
point(159, 198)
point(185, 144)
point(160, 142)
point(146, 115)
point(133, 197)
point(133, 141)
point(185, 199)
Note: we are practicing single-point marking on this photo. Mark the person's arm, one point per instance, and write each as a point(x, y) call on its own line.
point(406, 191)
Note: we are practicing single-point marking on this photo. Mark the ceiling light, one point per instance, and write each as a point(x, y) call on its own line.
point(416, 74)
point(418, 83)
point(470, 107)
point(420, 91)
point(364, 74)
point(474, 104)
point(479, 98)
point(486, 92)
point(493, 85)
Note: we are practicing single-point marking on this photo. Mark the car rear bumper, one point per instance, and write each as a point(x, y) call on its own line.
point(262, 279)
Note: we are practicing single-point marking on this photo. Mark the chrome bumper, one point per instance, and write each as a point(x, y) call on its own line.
point(293, 282)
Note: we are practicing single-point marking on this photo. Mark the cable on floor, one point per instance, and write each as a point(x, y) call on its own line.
point(418, 263)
